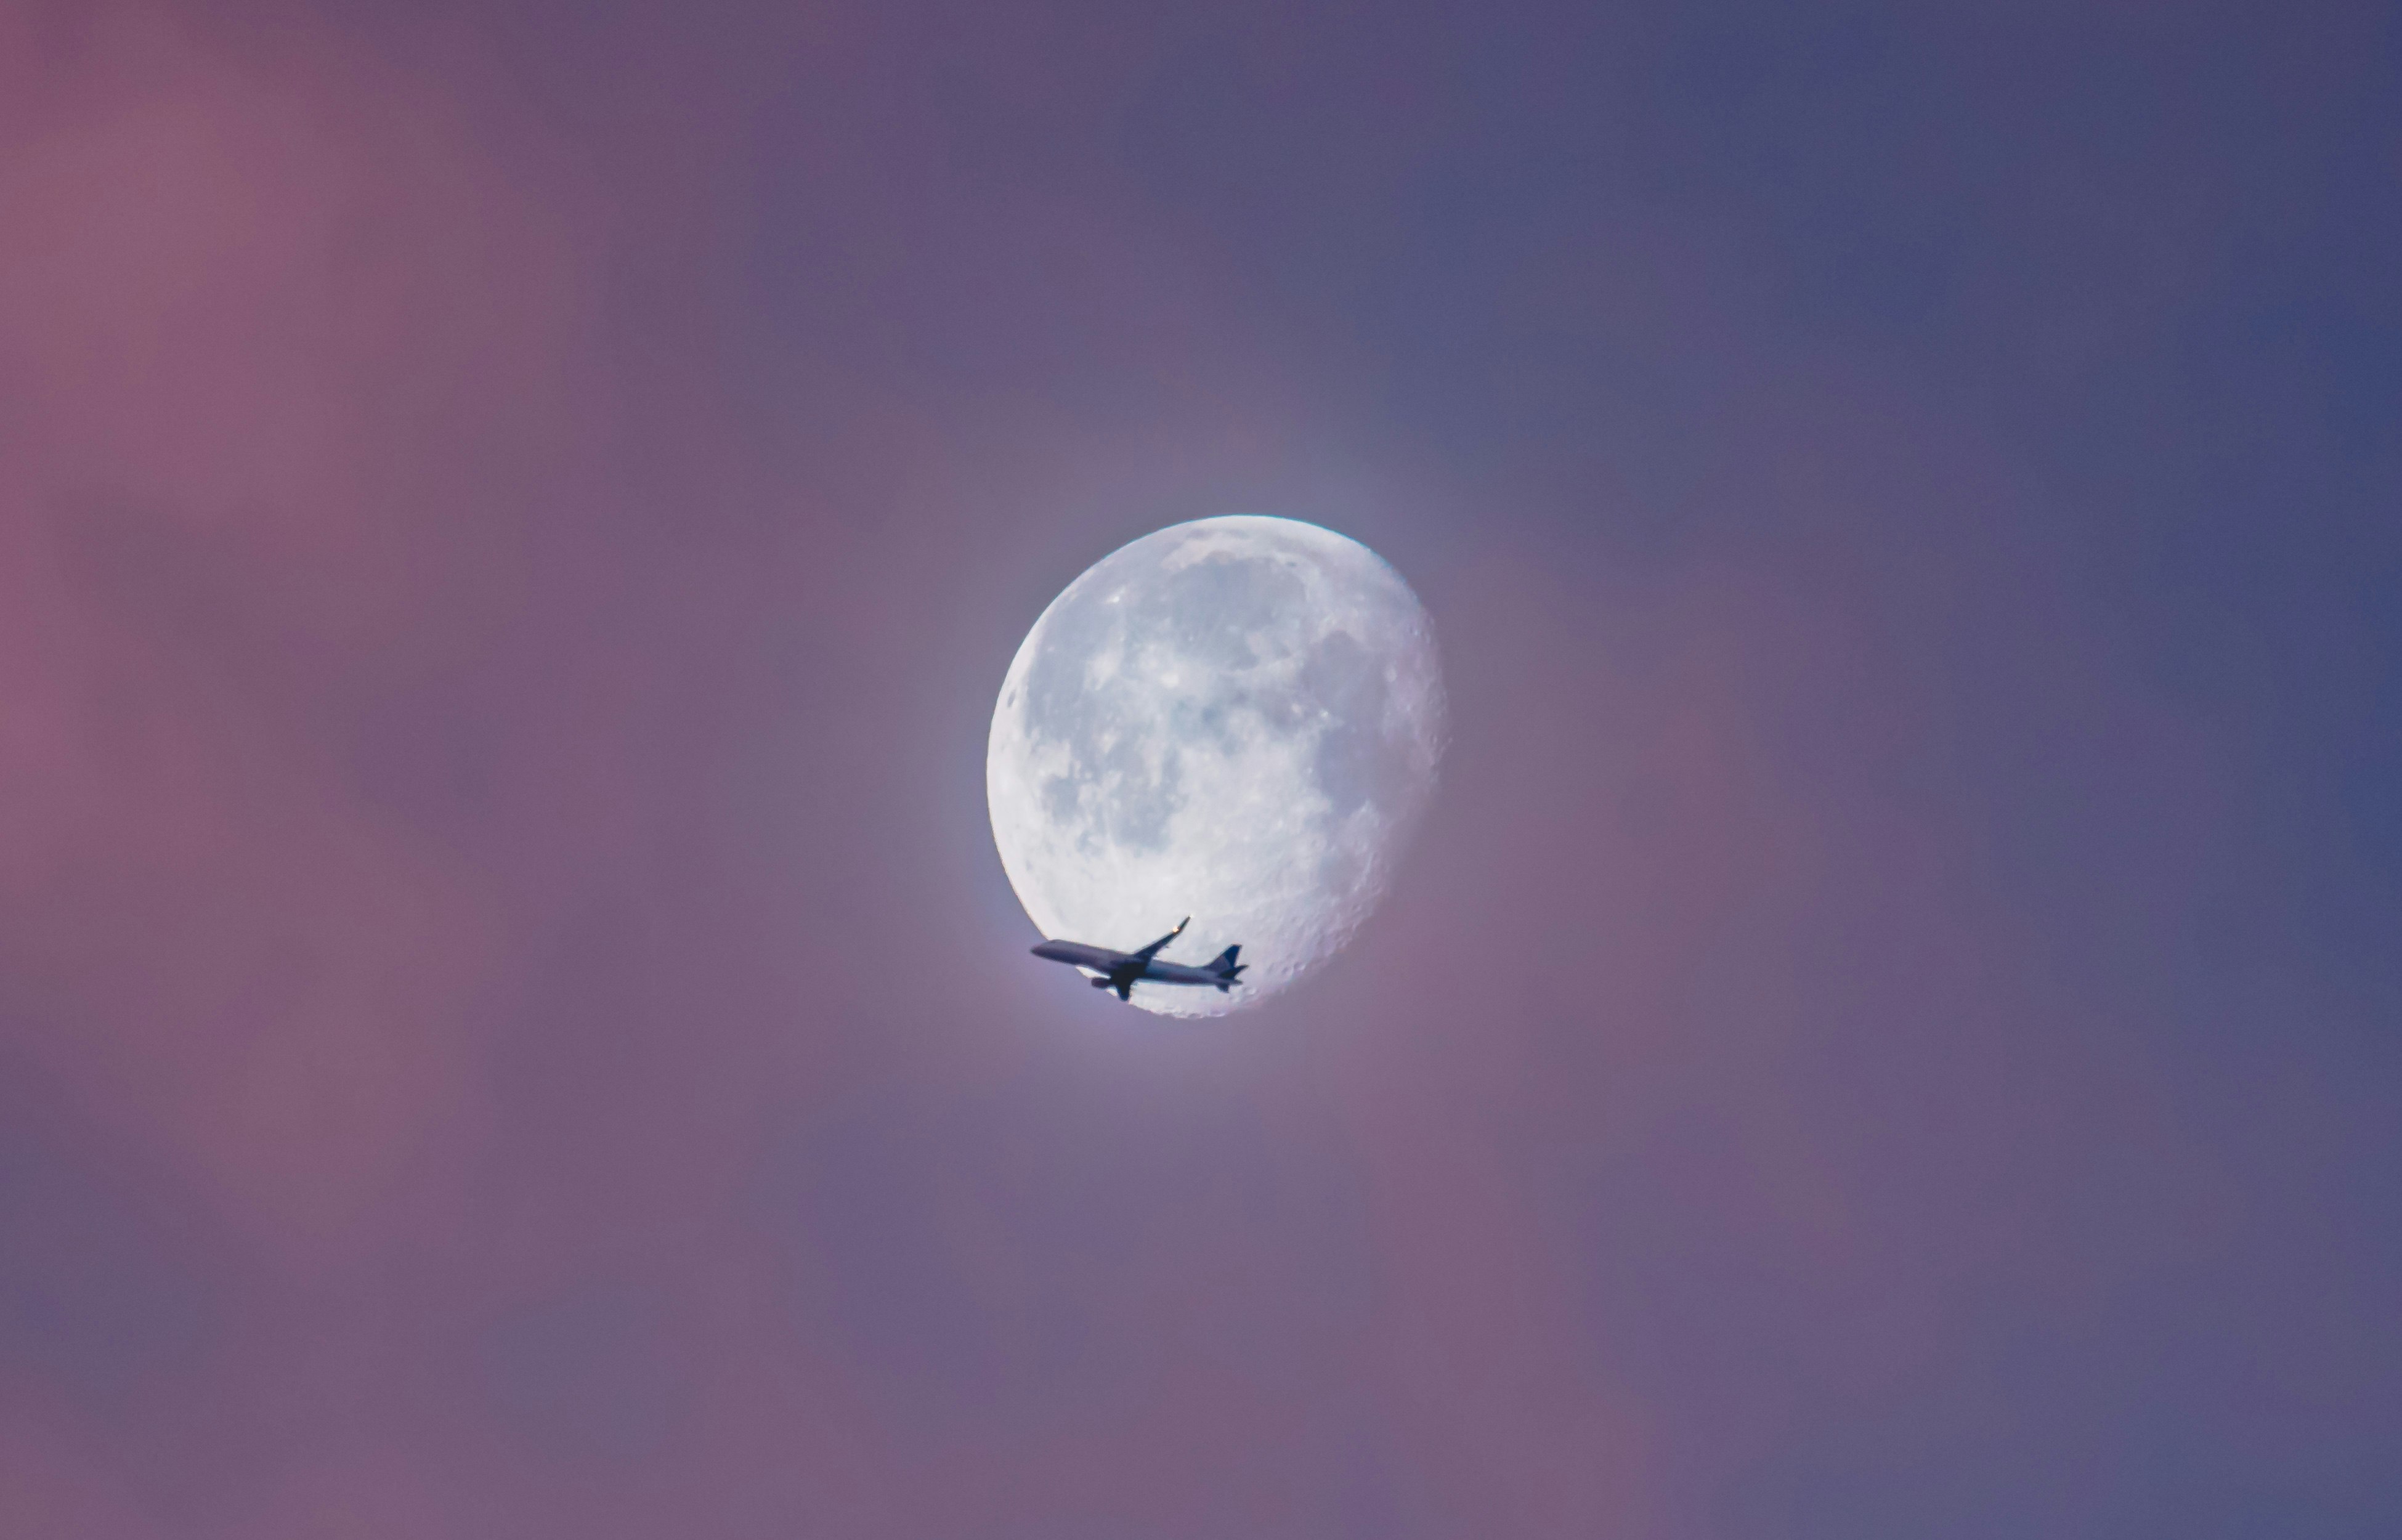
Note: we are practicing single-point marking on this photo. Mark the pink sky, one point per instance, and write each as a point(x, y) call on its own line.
point(510, 525)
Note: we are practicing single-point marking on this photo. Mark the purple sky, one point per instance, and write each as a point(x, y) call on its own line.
point(512, 518)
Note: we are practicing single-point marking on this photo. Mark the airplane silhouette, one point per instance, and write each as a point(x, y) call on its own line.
point(1122, 970)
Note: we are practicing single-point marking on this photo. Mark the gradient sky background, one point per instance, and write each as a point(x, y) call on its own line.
point(512, 517)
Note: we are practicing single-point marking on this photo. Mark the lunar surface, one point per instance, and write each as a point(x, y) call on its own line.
point(1236, 719)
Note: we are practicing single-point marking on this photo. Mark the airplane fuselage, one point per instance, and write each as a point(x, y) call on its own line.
point(1122, 971)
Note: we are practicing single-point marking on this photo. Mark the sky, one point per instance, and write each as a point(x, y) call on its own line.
point(513, 517)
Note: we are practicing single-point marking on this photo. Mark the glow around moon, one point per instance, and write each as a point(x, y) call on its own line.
point(1236, 719)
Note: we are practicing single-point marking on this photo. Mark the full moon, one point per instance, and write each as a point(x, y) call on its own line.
point(1236, 719)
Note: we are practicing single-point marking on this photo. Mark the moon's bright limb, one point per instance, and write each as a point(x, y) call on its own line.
point(1236, 719)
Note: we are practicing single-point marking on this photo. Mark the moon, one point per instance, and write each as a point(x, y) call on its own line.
point(1238, 719)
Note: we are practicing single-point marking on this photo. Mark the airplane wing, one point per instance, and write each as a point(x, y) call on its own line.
point(1152, 951)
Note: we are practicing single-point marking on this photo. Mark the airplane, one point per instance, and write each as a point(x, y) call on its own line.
point(1122, 970)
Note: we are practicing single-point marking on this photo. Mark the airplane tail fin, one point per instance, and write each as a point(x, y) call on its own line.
point(1226, 967)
